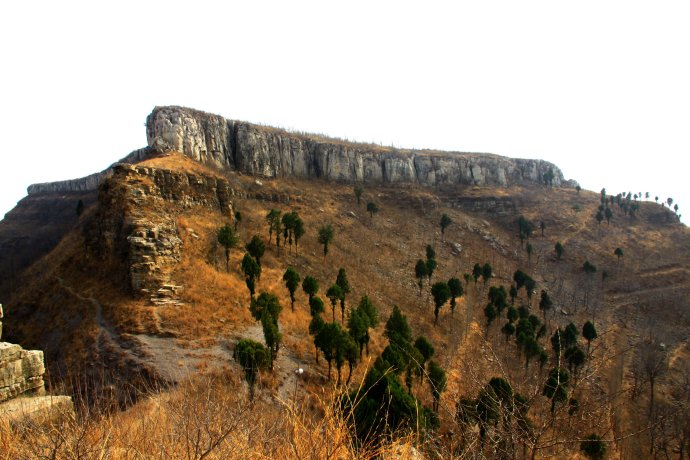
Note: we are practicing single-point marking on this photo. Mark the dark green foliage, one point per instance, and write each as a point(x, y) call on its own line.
point(512, 314)
point(441, 293)
point(430, 267)
point(618, 253)
point(531, 349)
point(559, 250)
point(445, 222)
point(525, 229)
point(238, 219)
point(456, 290)
point(334, 293)
point(315, 326)
point(530, 286)
point(487, 272)
point(367, 307)
point(358, 189)
point(341, 281)
point(523, 311)
point(292, 279)
point(467, 277)
point(316, 306)
point(420, 272)
point(437, 381)
point(570, 335)
point(397, 329)
point(599, 216)
point(575, 358)
point(358, 327)
point(227, 239)
point(430, 253)
point(291, 221)
point(513, 294)
point(310, 286)
point(520, 278)
point(372, 208)
point(264, 304)
point(608, 214)
point(272, 335)
point(298, 232)
point(593, 447)
point(325, 237)
point(557, 342)
point(256, 248)
point(252, 272)
point(577, 189)
point(556, 387)
point(328, 340)
point(589, 268)
point(394, 359)
point(476, 272)
point(498, 298)
point(545, 303)
point(273, 221)
point(491, 314)
point(382, 407)
point(589, 332)
point(426, 351)
point(508, 330)
point(252, 356)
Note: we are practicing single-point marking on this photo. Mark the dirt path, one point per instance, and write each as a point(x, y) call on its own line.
point(170, 361)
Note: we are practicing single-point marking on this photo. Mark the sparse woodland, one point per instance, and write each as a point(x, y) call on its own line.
point(373, 322)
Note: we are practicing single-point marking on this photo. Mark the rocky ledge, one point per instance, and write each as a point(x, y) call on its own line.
point(270, 152)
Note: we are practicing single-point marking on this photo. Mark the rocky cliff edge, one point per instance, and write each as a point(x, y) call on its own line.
point(270, 152)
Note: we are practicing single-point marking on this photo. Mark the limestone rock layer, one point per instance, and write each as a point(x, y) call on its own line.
point(271, 152)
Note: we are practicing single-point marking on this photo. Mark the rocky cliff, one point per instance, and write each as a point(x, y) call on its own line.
point(271, 152)
point(88, 183)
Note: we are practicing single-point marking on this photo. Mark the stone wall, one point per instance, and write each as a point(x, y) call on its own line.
point(271, 152)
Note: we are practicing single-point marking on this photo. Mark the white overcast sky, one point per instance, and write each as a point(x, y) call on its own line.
point(600, 88)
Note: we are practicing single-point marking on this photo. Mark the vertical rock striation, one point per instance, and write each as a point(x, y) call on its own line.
point(271, 152)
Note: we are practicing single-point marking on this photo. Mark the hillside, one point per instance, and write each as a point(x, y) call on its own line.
point(135, 296)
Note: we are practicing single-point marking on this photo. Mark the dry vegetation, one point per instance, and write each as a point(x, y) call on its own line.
point(646, 292)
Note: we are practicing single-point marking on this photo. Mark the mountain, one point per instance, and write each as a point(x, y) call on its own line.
point(135, 288)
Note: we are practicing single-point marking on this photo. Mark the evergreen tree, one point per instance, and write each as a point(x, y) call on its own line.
point(437, 381)
point(397, 329)
point(252, 356)
point(292, 279)
point(341, 281)
point(556, 387)
point(420, 272)
point(358, 192)
point(265, 304)
point(589, 333)
point(441, 293)
point(226, 237)
point(559, 250)
point(476, 272)
point(593, 447)
point(456, 291)
point(487, 272)
point(545, 303)
point(252, 272)
point(256, 248)
point(238, 219)
point(310, 286)
point(426, 350)
point(358, 327)
point(445, 222)
point(316, 306)
point(372, 208)
point(334, 293)
point(272, 335)
point(325, 237)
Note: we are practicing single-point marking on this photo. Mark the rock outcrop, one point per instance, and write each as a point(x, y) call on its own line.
point(150, 241)
point(22, 388)
point(270, 152)
point(88, 183)
point(21, 371)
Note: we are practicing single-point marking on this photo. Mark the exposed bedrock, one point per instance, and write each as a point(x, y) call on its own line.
point(270, 152)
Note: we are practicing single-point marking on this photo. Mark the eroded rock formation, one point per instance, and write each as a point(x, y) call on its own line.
point(271, 152)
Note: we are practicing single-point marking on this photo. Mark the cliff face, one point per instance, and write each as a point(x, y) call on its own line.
point(270, 152)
